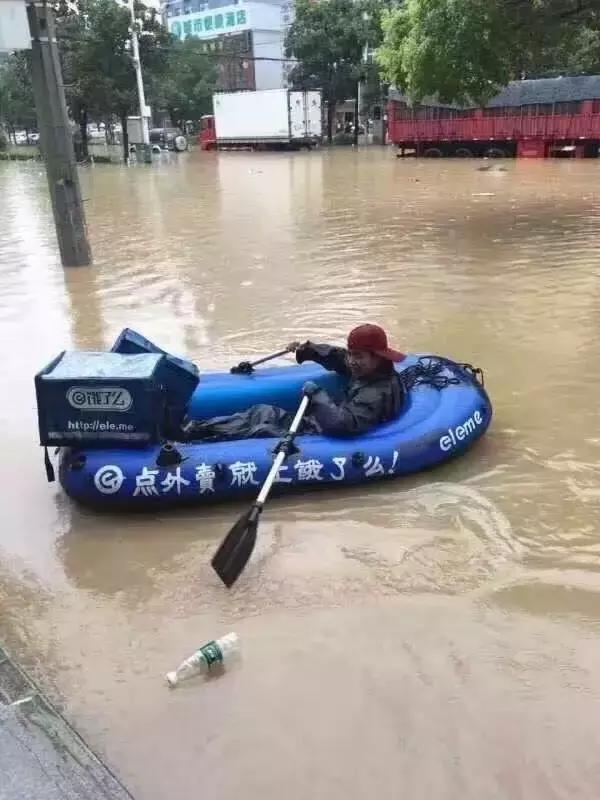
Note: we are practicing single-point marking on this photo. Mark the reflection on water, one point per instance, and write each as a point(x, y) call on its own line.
point(444, 611)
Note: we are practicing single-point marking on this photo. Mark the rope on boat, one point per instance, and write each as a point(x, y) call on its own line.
point(428, 372)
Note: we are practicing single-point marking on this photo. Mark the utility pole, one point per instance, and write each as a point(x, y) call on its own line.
point(137, 65)
point(56, 141)
point(359, 114)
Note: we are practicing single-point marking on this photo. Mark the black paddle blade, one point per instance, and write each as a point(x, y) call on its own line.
point(236, 548)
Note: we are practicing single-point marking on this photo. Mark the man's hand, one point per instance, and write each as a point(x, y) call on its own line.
point(310, 388)
point(293, 346)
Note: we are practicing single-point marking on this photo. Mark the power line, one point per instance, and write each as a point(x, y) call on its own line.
point(242, 57)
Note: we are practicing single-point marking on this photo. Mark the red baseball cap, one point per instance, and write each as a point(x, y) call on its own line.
point(374, 339)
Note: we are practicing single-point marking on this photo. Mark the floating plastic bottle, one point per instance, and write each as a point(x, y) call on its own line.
point(212, 654)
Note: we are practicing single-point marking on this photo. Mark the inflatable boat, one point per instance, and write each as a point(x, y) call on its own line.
point(447, 409)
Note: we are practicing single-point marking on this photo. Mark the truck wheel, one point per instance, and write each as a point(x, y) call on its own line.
point(432, 152)
point(180, 144)
point(496, 152)
point(463, 152)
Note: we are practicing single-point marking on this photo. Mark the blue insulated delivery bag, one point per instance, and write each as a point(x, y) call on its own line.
point(179, 377)
point(91, 399)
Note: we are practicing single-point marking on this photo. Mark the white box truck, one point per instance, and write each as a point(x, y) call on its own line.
point(269, 118)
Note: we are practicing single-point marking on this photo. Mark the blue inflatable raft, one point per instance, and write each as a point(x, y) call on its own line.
point(442, 418)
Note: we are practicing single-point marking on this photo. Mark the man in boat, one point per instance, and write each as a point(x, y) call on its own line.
point(374, 394)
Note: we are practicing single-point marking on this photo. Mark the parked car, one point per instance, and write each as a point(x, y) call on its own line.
point(168, 139)
point(96, 133)
point(22, 137)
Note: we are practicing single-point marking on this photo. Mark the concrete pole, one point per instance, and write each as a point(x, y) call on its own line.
point(363, 114)
point(56, 141)
point(137, 65)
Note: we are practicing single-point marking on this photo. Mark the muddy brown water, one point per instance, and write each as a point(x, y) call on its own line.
point(435, 637)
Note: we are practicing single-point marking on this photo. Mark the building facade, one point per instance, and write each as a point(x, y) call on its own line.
point(246, 37)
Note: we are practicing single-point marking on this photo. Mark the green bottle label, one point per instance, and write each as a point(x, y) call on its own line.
point(212, 653)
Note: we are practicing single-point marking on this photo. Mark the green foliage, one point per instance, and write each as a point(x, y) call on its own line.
point(582, 49)
point(328, 39)
point(459, 50)
point(464, 50)
point(17, 107)
point(97, 65)
point(325, 40)
point(396, 27)
point(94, 39)
point(99, 73)
point(157, 49)
point(186, 87)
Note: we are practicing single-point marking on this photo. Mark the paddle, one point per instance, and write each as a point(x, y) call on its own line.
point(236, 548)
point(247, 367)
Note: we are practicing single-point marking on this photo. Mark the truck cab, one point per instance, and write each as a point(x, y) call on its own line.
point(207, 138)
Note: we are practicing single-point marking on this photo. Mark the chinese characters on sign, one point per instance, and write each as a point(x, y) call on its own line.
point(145, 482)
point(309, 470)
point(340, 463)
point(242, 473)
point(174, 479)
point(205, 477)
point(373, 466)
point(209, 24)
point(152, 482)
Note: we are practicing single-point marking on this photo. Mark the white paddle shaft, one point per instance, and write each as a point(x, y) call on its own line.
point(266, 487)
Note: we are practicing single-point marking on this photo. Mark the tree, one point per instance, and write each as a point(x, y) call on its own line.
point(328, 39)
point(464, 50)
point(186, 87)
point(157, 48)
point(17, 106)
point(99, 71)
point(581, 52)
point(70, 28)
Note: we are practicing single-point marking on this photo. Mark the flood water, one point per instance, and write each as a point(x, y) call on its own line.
point(435, 637)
